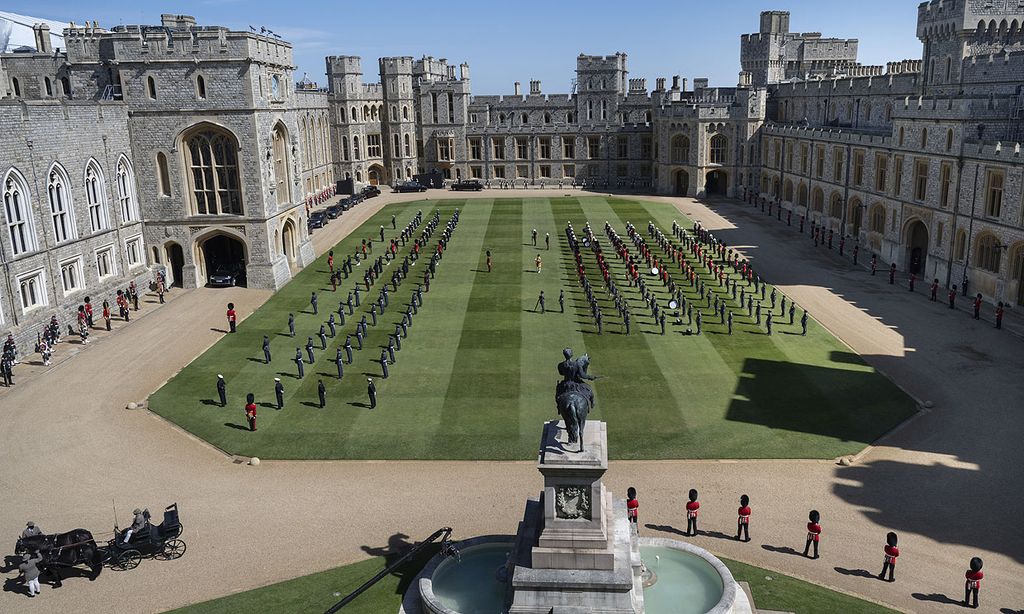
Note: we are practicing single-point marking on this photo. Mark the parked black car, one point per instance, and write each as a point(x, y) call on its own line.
point(469, 185)
point(317, 219)
point(410, 186)
point(370, 191)
point(225, 275)
point(334, 211)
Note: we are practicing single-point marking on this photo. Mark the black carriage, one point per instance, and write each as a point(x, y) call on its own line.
point(63, 550)
point(159, 541)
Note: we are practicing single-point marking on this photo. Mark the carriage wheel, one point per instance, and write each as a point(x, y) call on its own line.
point(129, 559)
point(173, 549)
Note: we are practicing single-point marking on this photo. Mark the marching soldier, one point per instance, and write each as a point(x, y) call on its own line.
point(222, 390)
point(298, 363)
point(729, 321)
point(321, 392)
point(972, 583)
point(279, 392)
point(359, 339)
point(397, 339)
point(391, 350)
point(266, 350)
point(813, 532)
point(692, 510)
point(743, 522)
point(540, 302)
point(371, 391)
point(348, 348)
point(891, 554)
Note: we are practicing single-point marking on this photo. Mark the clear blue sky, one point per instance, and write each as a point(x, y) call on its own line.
point(523, 39)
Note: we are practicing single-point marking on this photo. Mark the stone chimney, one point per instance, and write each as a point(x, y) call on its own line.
point(451, 73)
point(660, 84)
point(516, 89)
point(534, 88)
point(42, 36)
point(675, 82)
point(746, 78)
point(464, 71)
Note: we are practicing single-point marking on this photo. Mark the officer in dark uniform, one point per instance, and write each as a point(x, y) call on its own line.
point(384, 363)
point(698, 322)
point(291, 324)
point(222, 390)
point(792, 312)
point(397, 340)
point(561, 301)
point(266, 350)
point(321, 392)
point(312, 301)
point(391, 350)
point(340, 361)
point(625, 321)
point(359, 339)
point(803, 324)
point(298, 363)
point(768, 323)
point(279, 392)
point(323, 337)
point(757, 312)
point(729, 322)
point(309, 349)
point(661, 320)
point(330, 324)
point(371, 391)
point(348, 348)
point(540, 302)
point(349, 303)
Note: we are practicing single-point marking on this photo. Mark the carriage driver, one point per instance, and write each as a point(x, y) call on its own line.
point(31, 530)
point(141, 520)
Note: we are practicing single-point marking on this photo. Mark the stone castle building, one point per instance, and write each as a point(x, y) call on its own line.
point(188, 147)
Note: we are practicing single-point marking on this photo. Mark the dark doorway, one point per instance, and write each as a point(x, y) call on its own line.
point(917, 243)
point(682, 183)
point(224, 254)
point(176, 258)
point(716, 184)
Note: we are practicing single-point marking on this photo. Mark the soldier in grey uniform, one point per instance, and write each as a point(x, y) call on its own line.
point(321, 392)
point(309, 349)
point(339, 361)
point(384, 363)
point(323, 337)
point(371, 391)
point(266, 350)
point(279, 392)
point(312, 301)
point(330, 324)
point(348, 348)
point(298, 363)
point(291, 324)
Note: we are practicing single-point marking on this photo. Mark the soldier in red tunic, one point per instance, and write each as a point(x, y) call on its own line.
point(977, 307)
point(231, 316)
point(743, 522)
point(972, 584)
point(692, 508)
point(250, 411)
point(999, 315)
point(891, 554)
point(632, 508)
point(330, 260)
point(935, 290)
point(813, 532)
point(952, 297)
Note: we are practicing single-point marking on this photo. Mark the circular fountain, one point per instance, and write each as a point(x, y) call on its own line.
point(474, 582)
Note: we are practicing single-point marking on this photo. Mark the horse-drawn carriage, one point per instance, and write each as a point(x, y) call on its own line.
point(77, 548)
point(160, 541)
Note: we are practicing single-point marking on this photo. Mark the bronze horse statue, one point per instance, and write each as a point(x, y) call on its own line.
point(573, 396)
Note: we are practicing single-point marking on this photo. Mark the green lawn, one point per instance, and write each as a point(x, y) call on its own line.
point(317, 592)
point(475, 378)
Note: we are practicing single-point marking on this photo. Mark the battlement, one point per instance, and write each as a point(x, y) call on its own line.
point(939, 17)
point(344, 65)
point(774, 22)
point(589, 63)
point(396, 65)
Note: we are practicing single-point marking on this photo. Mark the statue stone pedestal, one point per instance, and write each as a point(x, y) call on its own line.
point(575, 551)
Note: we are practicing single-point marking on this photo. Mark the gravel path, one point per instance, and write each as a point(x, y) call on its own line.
point(937, 480)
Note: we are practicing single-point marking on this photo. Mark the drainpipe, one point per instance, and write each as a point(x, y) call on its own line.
point(970, 227)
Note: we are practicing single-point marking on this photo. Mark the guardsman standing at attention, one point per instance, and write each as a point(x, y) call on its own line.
point(309, 349)
point(359, 338)
point(561, 301)
point(348, 348)
point(266, 350)
point(250, 411)
point(534, 235)
point(632, 509)
point(999, 315)
point(768, 323)
point(298, 363)
point(692, 510)
point(321, 392)
point(813, 532)
point(803, 324)
point(977, 307)
point(661, 320)
point(952, 297)
point(312, 301)
point(339, 361)
point(330, 324)
point(972, 583)
point(231, 317)
point(384, 363)
point(371, 391)
point(934, 290)
point(892, 274)
point(891, 554)
point(698, 321)
point(729, 321)
point(291, 324)
point(743, 522)
point(323, 337)
point(279, 392)
point(222, 390)
point(391, 350)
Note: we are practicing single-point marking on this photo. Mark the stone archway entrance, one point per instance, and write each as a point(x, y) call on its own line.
point(221, 253)
point(375, 174)
point(716, 183)
point(288, 240)
point(682, 183)
point(917, 247)
point(176, 262)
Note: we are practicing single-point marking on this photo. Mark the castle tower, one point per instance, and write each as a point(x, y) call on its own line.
point(399, 125)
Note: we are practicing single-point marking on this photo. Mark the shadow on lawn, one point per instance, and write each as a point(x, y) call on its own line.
point(398, 545)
